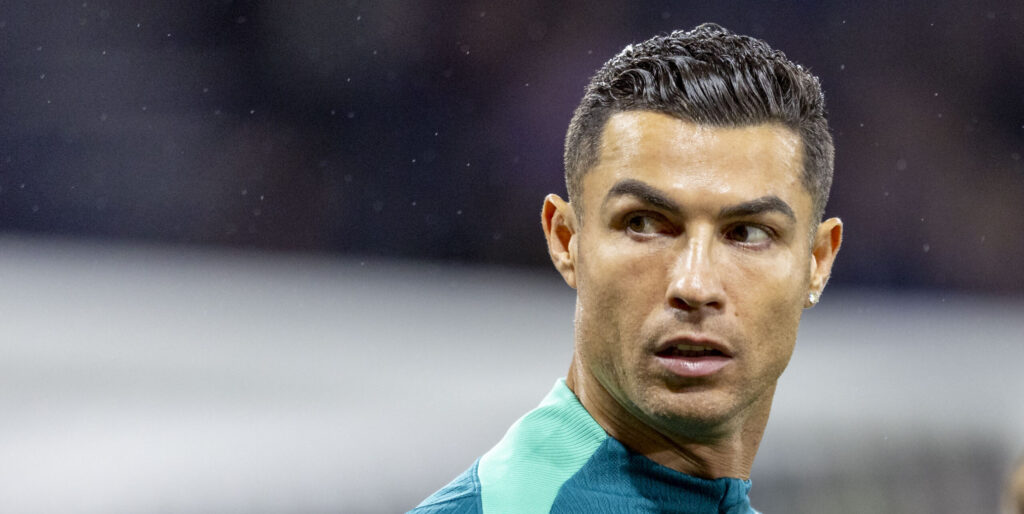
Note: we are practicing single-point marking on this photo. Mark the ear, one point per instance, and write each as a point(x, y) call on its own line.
point(559, 222)
point(827, 240)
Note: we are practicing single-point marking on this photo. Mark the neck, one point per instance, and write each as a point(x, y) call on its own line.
point(696, 449)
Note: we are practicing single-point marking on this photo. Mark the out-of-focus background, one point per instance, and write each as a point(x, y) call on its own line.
point(285, 256)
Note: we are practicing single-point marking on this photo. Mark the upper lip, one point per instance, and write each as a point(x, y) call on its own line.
point(694, 340)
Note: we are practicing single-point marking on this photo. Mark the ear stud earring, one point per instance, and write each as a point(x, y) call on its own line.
point(812, 298)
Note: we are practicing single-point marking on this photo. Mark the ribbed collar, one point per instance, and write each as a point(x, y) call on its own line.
point(619, 479)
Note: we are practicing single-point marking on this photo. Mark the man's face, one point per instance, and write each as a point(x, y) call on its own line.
point(692, 265)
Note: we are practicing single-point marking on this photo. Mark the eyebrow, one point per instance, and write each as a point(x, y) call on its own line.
point(651, 195)
point(642, 191)
point(770, 203)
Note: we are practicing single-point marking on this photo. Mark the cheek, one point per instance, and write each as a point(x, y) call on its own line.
point(595, 293)
point(616, 288)
point(622, 283)
point(768, 299)
point(769, 284)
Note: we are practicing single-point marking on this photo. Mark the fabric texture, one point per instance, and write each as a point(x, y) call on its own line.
point(617, 479)
point(461, 496)
point(542, 450)
point(556, 458)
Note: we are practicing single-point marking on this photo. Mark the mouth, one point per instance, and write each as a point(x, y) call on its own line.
point(690, 350)
point(693, 358)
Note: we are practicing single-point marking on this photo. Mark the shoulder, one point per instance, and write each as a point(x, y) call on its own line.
point(460, 496)
point(526, 469)
point(539, 453)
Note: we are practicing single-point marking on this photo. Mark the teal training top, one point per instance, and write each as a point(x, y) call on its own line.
point(556, 458)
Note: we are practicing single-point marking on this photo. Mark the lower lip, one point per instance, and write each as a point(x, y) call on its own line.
point(694, 366)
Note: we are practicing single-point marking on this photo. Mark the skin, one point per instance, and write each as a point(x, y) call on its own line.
point(1014, 497)
point(691, 233)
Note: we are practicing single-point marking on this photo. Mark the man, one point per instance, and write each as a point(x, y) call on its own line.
point(698, 166)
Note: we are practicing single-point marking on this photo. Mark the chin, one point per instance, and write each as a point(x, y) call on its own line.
point(691, 411)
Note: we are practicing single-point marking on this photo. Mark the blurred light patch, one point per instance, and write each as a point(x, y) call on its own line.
point(160, 379)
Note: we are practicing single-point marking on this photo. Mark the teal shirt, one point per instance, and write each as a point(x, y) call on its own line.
point(556, 458)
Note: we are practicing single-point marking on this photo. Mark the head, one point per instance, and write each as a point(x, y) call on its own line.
point(700, 162)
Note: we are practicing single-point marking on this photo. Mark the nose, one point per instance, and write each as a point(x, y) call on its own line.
point(694, 283)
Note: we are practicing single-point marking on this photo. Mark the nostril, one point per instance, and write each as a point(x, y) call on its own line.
point(692, 304)
point(683, 305)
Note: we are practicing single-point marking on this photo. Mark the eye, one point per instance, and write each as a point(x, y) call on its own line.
point(646, 224)
point(752, 235)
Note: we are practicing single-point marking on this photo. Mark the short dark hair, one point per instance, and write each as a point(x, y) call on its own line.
point(709, 76)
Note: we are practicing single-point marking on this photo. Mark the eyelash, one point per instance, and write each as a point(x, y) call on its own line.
point(771, 234)
point(655, 217)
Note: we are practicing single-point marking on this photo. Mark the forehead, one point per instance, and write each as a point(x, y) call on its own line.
point(700, 161)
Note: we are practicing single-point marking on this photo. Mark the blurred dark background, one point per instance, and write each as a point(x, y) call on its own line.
point(432, 130)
